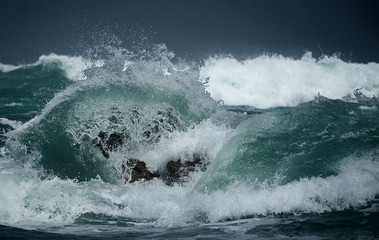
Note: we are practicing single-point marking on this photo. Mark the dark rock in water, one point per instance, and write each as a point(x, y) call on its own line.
point(177, 171)
point(174, 169)
point(115, 140)
point(139, 171)
point(145, 132)
point(113, 119)
point(111, 142)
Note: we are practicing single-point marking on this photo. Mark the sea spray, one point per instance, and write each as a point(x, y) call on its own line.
point(318, 156)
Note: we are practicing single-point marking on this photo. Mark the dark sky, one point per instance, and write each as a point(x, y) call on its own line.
point(195, 28)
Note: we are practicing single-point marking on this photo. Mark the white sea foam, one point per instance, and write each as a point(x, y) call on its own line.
point(356, 184)
point(204, 139)
point(272, 81)
point(30, 202)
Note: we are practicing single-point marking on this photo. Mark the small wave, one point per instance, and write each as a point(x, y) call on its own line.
point(14, 104)
point(73, 66)
point(8, 68)
point(371, 108)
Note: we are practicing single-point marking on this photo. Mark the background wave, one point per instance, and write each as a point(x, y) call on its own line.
point(276, 81)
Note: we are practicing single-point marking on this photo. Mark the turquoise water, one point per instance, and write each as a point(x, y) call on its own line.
point(291, 147)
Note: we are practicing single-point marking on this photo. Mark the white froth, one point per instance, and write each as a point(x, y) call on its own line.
point(273, 81)
point(55, 202)
point(205, 139)
point(14, 124)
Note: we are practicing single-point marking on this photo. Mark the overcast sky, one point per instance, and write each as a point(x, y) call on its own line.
point(196, 28)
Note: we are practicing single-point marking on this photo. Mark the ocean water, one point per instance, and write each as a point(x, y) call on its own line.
point(291, 147)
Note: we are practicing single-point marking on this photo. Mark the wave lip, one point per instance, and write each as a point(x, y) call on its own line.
point(277, 81)
point(8, 68)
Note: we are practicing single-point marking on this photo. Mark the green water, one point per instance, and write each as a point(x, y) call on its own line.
point(310, 171)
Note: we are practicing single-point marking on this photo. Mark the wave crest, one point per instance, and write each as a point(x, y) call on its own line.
point(277, 81)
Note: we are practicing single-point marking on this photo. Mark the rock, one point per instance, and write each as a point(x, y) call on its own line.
point(178, 171)
point(139, 171)
point(111, 142)
point(174, 169)
point(114, 136)
point(115, 140)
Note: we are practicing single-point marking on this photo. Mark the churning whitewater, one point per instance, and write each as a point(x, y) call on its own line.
point(275, 135)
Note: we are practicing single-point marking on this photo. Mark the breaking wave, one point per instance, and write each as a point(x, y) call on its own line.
point(311, 148)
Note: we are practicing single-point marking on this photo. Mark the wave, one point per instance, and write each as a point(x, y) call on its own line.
point(320, 156)
point(32, 203)
point(277, 81)
point(289, 144)
point(262, 82)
